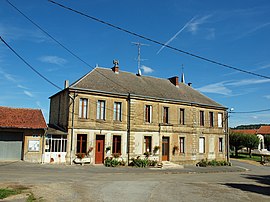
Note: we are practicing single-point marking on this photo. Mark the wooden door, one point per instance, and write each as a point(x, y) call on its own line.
point(165, 148)
point(99, 155)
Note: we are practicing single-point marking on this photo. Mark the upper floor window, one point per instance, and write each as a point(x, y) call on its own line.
point(182, 116)
point(101, 109)
point(201, 118)
point(83, 108)
point(211, 119)
point(220, 120)
point(117, 111)
point(165, 114)
point(148, 113)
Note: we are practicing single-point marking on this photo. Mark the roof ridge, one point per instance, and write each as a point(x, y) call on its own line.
point(36, 109)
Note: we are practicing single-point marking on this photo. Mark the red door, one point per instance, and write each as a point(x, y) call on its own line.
point(99, 149)
point(165, 148)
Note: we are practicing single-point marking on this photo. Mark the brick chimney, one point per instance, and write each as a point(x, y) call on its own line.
point(175, 81)
point(115, 67)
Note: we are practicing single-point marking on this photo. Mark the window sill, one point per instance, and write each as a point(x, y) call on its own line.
point(115, 121)
point(100, 120)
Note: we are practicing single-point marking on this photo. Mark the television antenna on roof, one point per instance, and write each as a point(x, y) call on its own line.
point(139, 59)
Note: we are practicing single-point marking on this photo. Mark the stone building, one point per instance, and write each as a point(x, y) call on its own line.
point(111, 111)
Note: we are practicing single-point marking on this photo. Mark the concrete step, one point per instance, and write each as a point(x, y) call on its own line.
point(170, 165)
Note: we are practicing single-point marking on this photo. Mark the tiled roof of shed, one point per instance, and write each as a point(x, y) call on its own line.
point(104, 79)
point(21, 118)
point(245, 131)
point(264, 130)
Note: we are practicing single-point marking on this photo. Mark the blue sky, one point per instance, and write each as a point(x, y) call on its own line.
point(231, 32)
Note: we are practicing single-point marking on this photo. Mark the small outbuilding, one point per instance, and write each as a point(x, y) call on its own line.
point(22, 134)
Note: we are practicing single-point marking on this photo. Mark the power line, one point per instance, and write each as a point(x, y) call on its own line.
point(60, 44)
point(96, 19)
point(159, 43)
point(30, 66)
point(250, 112)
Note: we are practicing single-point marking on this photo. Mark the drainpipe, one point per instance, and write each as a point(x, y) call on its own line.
point(72, 126)
point(128, 127)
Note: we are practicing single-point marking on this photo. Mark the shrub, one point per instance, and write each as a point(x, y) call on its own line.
point(142, 163)
point(111, 162)
point(205, 163)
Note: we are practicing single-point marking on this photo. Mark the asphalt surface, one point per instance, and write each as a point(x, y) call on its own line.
point(240, 182)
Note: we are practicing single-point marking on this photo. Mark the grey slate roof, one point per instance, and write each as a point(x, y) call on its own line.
point(105, 80)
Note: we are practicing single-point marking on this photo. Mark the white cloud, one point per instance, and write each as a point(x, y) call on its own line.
point(223, 87)
point(267, 97)
point(211, 34)
point(194, 25)
point(22, 87)
point(218, 88)
point(146, 69)
point(9, 77)
point(28, 93)
point(16, 33)
point(53, 60)
point(38, 104)
point(255, 29)
point(246, 82)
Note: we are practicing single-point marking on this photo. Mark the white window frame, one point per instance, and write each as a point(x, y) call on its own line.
point(101, 109)
point(182, 145)
point(202, 145)
point(117, 111)
point(220, 120)
point(83, 108)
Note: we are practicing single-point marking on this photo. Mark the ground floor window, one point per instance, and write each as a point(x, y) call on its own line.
point(147, 144)
point(116, 144)
point(182, 145)
point(201, 145)
point(220, 144)
point(56, 143)
point(81, 143)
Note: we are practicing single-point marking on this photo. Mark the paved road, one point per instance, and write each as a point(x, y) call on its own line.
point(88, 183)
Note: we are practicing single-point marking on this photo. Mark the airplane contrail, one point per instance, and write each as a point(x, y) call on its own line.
point(171, 39)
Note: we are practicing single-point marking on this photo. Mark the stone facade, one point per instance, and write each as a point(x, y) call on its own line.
point(192, 133)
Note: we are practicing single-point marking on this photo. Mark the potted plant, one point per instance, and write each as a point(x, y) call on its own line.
point(108, 149)
point(175, 149)
point(155, 150)
point(147, 154)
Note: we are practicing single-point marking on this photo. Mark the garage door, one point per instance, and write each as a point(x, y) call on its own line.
point(11, 146)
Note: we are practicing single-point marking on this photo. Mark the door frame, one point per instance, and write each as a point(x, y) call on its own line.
point(102, 138)
point(165, 157)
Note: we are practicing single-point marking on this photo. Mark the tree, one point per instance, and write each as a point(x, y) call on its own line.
point(236, 140)
point(250, 142)
point(267, 141)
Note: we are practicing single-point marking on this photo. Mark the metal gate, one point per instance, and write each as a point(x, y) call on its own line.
point(11, 146)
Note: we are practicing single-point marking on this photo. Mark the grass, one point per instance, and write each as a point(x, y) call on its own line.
point(244, 156)
point(15, 190)
point(4, 193)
